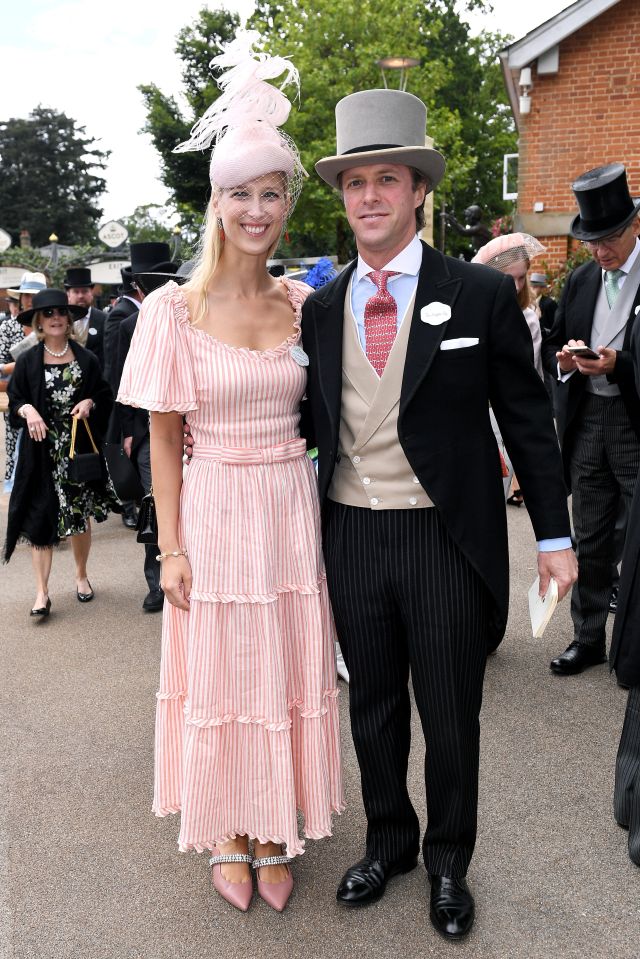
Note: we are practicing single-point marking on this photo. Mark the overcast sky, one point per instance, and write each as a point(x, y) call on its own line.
point(86, 59)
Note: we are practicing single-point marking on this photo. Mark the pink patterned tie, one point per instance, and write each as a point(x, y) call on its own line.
point(380, 321)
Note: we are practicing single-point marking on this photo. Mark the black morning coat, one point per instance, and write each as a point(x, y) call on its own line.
point(95, 334)
point(573, 321)
point(443, 423)
point(624, 655)
point(33, 506)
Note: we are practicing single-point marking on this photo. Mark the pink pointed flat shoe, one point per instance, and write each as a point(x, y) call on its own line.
point(275, 894)
point(237, 893)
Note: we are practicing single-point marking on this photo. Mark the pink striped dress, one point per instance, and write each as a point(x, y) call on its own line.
point(247, 713)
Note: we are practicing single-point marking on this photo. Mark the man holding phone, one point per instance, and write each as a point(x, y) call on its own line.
point(588, 350)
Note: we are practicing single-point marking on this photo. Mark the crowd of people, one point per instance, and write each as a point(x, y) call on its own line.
point(224, 376)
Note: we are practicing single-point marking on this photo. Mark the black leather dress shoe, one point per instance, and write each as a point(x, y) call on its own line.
point(153, 601)
point(577, 657)
point(367, 880)
point(130, 518)
point(613, 600)
point(451, 907)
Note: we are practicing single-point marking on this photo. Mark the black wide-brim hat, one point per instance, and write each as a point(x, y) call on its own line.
point(605, 203)
point(49, 299)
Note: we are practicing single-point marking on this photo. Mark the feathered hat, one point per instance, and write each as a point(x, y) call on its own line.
point(243, 123)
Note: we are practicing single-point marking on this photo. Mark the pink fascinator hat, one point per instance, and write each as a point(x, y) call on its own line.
point(508, 248)
point(243, 123)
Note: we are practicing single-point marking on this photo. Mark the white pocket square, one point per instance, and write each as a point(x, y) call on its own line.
point(435, 313)
point(459, 343)
point(636, 311)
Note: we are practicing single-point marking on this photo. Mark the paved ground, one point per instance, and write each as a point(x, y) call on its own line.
point(86, 872)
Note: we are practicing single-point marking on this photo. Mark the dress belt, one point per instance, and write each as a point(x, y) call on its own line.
point(239, 456)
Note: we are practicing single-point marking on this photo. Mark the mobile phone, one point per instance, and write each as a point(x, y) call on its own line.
point(584, 351)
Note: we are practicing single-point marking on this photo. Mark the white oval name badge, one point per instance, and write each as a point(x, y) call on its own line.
point(299, 355)
point(435, 313)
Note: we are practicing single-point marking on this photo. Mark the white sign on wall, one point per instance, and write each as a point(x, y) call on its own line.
point(107, 272)
point(10, 277)
point(5, 241)
point(113, 234)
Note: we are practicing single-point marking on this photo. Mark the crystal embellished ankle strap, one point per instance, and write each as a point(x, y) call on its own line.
point(232, 857)
point(270, 861)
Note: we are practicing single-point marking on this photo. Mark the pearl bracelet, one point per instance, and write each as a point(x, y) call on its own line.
point(175, 552)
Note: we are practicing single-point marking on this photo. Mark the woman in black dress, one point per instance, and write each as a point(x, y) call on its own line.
point(52, 383)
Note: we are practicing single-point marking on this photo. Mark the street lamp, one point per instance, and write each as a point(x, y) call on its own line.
point(401, 64)
point(53, 254)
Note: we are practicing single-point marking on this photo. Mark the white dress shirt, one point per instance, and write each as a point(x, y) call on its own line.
point(407, 264)
point(402, 287)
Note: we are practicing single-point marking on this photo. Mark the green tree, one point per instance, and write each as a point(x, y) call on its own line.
point(149, 223)
point(186, 175)
point(50, 180)
point(335, 45)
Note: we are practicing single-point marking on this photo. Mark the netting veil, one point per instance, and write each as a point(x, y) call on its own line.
point(243, 123)
point(505, 250)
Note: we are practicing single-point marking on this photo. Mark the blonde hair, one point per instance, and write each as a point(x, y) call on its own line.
point(209, 251)
point(207, 258)
point(38, 331)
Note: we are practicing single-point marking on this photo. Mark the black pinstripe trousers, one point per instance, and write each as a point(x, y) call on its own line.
point(626, 796)
point(405, 600)
point(605, 458)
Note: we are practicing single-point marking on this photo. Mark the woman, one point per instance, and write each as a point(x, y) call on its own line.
point(52, 383)
point(11, 333)
point(247, 718)
point(512, 254)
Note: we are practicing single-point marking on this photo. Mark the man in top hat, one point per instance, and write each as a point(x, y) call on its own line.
point(598, 405)
point(89, 329)
point(150, 268)
point(546, 304)
point(144, 256)
point(406, 348)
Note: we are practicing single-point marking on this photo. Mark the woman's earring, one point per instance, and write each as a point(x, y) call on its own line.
point(220, 229)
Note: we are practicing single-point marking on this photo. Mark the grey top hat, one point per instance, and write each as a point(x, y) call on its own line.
point(538, 279)
point(378, 126)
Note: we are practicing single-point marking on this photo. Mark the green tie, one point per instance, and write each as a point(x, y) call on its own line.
point(611, 287)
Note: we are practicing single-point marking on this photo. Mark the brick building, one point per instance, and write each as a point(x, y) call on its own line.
point(579, 109)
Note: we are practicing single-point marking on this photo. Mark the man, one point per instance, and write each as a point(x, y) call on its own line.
point(597, 402)
point(406, 348)
point(147, 255)
point(89, 329)
point(546, 304)
point(128, 303)
point(625, 659)
point(146, 276)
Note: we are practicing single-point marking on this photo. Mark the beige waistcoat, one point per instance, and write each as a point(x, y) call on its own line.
point(372, 470)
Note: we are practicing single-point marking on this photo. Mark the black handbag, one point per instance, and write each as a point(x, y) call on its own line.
point(123, 473)
point(147, 526)
point(84, 467)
